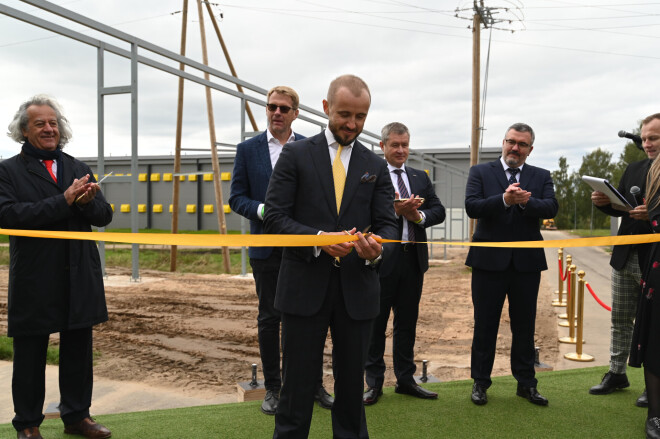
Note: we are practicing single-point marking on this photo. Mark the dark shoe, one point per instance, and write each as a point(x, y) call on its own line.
point(643, 400)
point(415, 390)
point(88, 428)
point(611, 382)
point(371, 396)
point(532, 395)
point(479, 394)
point(653, 428)
point(323, 398)
point(30, 433)
point(269, 406)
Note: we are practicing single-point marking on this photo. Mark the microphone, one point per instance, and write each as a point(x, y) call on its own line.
point(637, 195)
point(634, 137)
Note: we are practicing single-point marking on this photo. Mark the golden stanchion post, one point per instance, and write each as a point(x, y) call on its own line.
point(560, 301)
point(578, 355)
point(570, 308)
point(570, 297)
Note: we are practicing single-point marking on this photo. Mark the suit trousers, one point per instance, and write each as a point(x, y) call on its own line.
point(303, 340)
point(489, 289)
point(265, 272)
point(626, 290)
point(75, 377)
point(400, 291)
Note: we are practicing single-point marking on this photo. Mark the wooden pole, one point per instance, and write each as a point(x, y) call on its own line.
point(248, 110)
point(214, 151)
point(177, 148)
point(475, 135)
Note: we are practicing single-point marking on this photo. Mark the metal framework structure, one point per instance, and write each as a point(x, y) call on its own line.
point(142, 52)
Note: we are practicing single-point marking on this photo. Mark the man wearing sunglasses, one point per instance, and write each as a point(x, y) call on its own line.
point(254, 163)
point(509, 198)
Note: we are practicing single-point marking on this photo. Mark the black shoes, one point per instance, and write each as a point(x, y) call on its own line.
point(415, 390)
point(269, 406)
point(532, 395)
point(611, 382)
point(323, 398)
point(29, 433)
point(643, 400)
point(371, 396)
point(479, 394)
point(653, 428)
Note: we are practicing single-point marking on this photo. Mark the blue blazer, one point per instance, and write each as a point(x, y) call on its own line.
point(483, 201)
point(252, 170)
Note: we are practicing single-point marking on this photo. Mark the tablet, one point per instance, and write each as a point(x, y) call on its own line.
point(602, 185)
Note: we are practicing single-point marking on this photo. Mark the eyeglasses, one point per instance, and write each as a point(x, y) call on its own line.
point(512, 142)
point(283, 108)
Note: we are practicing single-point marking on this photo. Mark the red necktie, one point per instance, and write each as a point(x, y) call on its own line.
point(49, 166)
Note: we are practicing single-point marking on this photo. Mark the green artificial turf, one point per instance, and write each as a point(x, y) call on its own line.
point(572, 413)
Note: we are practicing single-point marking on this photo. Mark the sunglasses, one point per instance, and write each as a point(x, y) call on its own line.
point(283, 108)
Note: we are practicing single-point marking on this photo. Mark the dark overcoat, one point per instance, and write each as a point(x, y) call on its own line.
point(54, 284)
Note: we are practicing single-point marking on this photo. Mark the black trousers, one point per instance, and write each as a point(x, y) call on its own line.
point(400, 291)
point(489, 289)
point(75, 379)
point(265, 272)
point(303, 339)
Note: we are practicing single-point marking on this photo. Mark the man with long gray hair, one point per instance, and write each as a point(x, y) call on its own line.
point(55, 285)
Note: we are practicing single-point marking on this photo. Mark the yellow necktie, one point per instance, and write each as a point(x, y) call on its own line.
point(339, 176)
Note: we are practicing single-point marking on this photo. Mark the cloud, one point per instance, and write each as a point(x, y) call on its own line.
point(577, 86)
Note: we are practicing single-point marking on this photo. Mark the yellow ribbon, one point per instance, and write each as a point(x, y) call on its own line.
point(217, 240)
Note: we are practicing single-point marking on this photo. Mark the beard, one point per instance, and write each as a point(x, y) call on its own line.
point(512, 161)
point(342, 139)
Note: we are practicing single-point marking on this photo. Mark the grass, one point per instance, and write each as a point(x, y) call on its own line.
point(201, 261)
point(587, 233)
point(7, 351)
point(572, 413)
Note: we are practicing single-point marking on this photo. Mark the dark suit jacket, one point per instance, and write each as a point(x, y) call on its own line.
point(252, 170)
point(54, 284)
point(634, 175)
point(420, 185)
point(301, 200)
point(483, 201)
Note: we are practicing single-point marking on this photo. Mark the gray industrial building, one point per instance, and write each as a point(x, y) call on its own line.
point(197, 209)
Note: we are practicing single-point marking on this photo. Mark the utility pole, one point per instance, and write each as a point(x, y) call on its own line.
point(481, 16)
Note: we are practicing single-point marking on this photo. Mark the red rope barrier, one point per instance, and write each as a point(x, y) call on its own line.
point(561, 270)
point(600, 302)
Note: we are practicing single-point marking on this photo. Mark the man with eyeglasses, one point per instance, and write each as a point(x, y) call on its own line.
point(253, 166)
point(509, 198)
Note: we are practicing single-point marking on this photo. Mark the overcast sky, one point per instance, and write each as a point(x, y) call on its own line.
point(577, 71)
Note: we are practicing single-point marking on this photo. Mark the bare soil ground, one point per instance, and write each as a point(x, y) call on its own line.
point(198, 333)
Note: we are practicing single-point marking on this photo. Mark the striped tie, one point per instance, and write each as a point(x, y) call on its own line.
point(403, 193)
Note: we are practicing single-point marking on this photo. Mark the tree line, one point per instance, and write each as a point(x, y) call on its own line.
point(574, 196)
